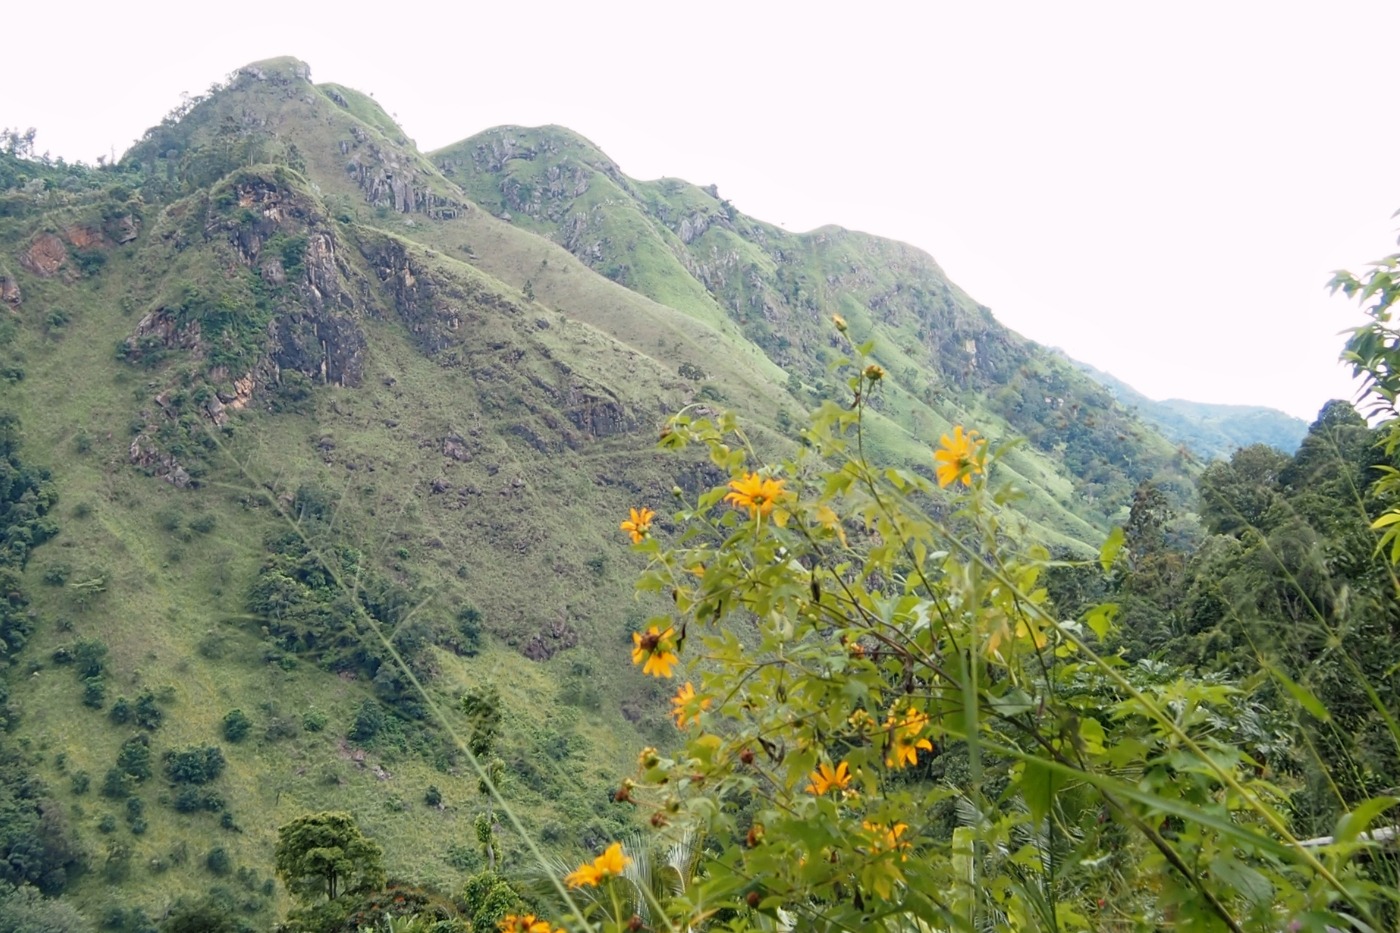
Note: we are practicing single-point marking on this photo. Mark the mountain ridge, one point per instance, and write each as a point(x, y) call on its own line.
point(308, 402)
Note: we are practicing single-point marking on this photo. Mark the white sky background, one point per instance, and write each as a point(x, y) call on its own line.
point(1161, 191)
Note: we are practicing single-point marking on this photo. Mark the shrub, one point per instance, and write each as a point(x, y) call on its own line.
point(194, 764)
point(134, 759)
point(369, 719)
point(117, 784)
point(218, 862)
point(236, 725)
point(94, 692)
point(148, 714)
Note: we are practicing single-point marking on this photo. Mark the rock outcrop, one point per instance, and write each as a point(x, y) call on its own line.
point(45, 256)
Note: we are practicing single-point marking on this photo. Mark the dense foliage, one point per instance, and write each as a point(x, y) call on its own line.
point(891, 727)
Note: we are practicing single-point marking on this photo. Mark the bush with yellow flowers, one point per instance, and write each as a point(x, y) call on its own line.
point(885, 727)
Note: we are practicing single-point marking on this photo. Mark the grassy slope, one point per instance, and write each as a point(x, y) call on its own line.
point(949, 361)
point(525, 529)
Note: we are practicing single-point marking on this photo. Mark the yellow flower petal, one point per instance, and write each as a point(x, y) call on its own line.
point(959, 457)
point(755, 493)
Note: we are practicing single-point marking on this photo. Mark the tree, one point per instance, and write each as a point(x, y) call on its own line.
point(236, 725)
point(25, 910)
point(1236, 495)
point(326, 854)
point(1373, 351)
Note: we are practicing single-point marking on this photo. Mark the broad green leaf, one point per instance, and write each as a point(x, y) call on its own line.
point(1111, 548)
point(1038, 789)
point(1250, 884)
point(1100, 619)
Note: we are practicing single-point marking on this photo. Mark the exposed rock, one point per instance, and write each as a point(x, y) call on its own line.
point(9, 291)
point(215, 410)
point(598, 416)
point(692, 227)
point(162, 326)
point(389, 178)
point(145, 454)
point(456, 448)
point(242, 393)
point(85, 237)
point(45, 256)
point(556, 637)
point(124, 229)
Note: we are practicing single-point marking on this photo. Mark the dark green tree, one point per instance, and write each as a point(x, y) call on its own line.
point(325, 855)
point(236, 725)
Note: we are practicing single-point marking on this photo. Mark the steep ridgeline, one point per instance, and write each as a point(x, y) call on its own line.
point(309, 400)
point(687, 247)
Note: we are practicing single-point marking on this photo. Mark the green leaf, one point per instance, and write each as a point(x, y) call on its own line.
point(1353, 824)
point(1250, 884)
point(1100, 619)
point(1112, 546)
point(1038, 788)
point(1389, 518)
point(1092, 735)
point(1304, 697)
point(1243, 836)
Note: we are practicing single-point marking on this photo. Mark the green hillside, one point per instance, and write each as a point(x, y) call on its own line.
point(311, 403)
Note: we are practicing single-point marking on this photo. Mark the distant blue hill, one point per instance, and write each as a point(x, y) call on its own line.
point(1209, 430)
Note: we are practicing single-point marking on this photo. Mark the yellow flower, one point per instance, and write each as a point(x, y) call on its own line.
point(684, 697)
point(755, 493)
point(958, 457)
point(654, 651)
point(525, 923)
point(608, 865)
point(840, 322)
point(639, 525)
point(611, 862)
point(826, 778)
point(874, 372)
point(905, 741)
point(584, 875)
point(887, 839)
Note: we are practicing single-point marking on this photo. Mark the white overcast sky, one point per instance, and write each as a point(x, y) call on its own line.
point(1159, 189)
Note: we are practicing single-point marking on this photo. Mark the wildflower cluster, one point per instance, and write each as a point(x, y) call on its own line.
point(907, 723)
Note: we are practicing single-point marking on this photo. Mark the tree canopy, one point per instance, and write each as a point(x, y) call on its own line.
point(325, 854)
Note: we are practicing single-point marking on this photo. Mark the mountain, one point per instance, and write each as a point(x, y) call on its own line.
point(307, 419)
point(1212, 431)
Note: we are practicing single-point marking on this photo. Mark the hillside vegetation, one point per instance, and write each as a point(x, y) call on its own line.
point(316, 449)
